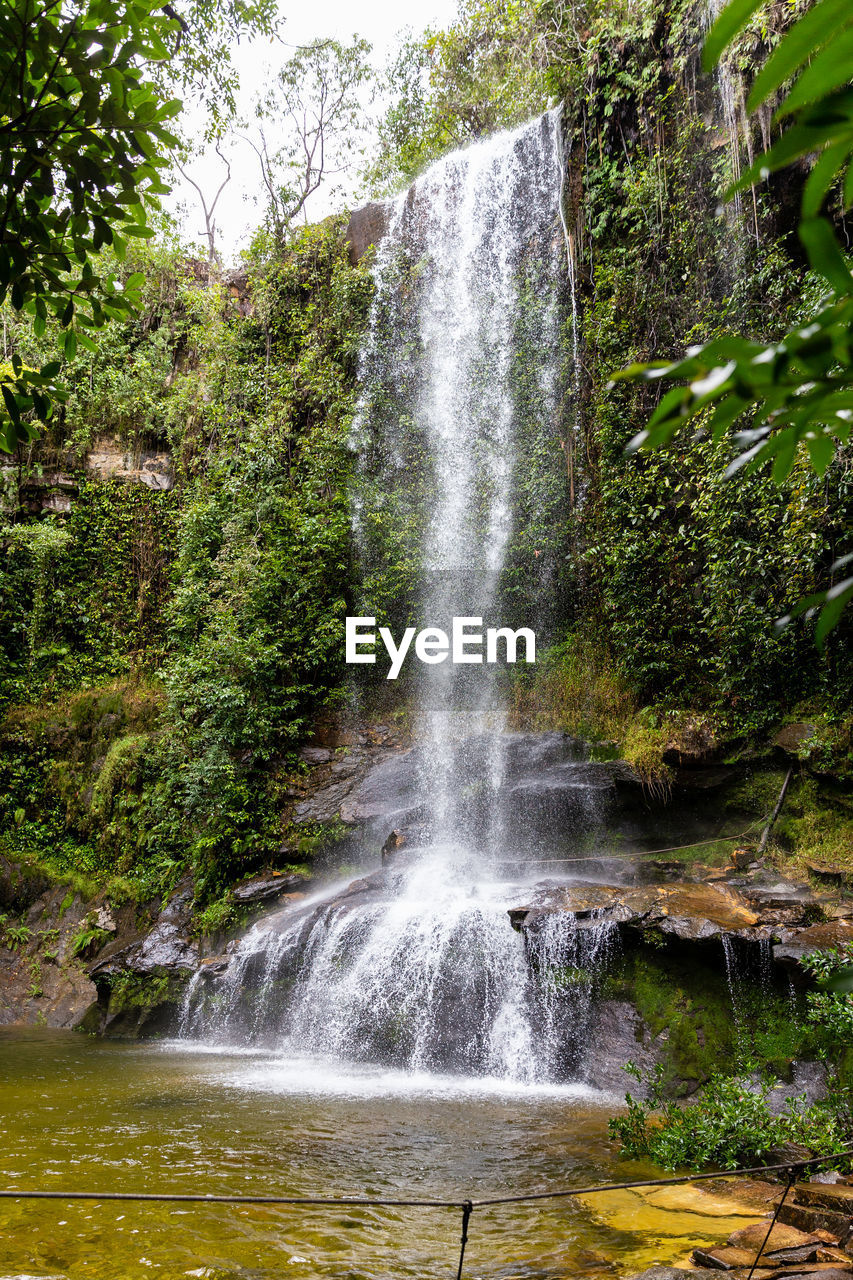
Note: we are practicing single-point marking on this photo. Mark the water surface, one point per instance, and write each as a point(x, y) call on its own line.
point(85, 1114)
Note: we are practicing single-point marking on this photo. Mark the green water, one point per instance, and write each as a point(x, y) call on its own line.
point(83, 1114)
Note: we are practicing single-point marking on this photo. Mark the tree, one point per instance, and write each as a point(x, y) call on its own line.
point(85, 125)
point(486, 71)
point(800, 390)
point(208, 206)
point(314, 105)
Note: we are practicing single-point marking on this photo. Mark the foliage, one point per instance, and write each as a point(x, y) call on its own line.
point(141, 991)
point(313, 115)
point(486, 71)
point(799, 390)
point(81, 140)
point(575, 686)
point(88, 939)
point(730, 1126)
point(217, 916)
point(831, 1008)
point(233, 584)
point(730, 1123)
point(84, 598)
point(674, 571)
point(85, 130)
point(16, 935)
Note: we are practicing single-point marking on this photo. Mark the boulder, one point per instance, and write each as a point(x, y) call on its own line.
point(791, 737)
point(262, 889)
point(781, 1237)
point(166, 948)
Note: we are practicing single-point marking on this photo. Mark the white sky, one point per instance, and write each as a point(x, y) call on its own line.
point(240, 207)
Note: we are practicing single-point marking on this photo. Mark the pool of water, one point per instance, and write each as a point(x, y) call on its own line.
point(84, 1114)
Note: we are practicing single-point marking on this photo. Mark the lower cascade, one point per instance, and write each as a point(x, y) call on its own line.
point(417, 968)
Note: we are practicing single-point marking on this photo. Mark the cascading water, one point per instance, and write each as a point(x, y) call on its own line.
point(459, 440)
point(459, 431)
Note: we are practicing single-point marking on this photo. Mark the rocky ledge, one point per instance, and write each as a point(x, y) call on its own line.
point(789, 918)
point(811, 1240)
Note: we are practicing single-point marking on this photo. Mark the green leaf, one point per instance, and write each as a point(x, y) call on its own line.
point(821, 452)
point(840, 983)
point(11, 402)
point(825, 255)
point(827, 71)
point(823, 174)
point(812, 30)
point(733, 19)
point(837, 598)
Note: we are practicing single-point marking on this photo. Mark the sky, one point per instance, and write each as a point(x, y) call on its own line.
point(239, 208)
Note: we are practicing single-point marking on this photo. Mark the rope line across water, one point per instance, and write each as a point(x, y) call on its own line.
point(369, 1202)
point(635, 853)
point(792, 1169)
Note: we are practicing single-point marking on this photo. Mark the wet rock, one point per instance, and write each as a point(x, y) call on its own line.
point(267, 888)
point(315, 755)
point(619, 1035)
point(366, 783)
point(819, 1271)
point(166, 948)
point(781, 1237)
point(836, 1196)
point(796, 944)
point(694, 912)
point(389, 793)
point(813, 1219)
point(678, 1273)
point(395, 841)
point(808, 1081)
point(723, 1257)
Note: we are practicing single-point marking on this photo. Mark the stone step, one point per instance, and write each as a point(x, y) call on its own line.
point(723, 1257)
point(783, 1236)
point(812, 1219)
point(837, 1196)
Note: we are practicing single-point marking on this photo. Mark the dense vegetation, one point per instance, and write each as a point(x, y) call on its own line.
point(163, 650)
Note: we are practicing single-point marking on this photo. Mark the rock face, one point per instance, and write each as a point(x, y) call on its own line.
point(42, 979)
point(367, 226)
point(262, 890)
point(551, 786)
point(166, 948)
point(54, 488)
point(619, 1035)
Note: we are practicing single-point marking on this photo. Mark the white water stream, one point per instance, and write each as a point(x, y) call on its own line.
point(421, 969)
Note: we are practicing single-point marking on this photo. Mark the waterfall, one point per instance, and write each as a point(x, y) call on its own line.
point(459, 499)
point(459, 428)
point(427, 976)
